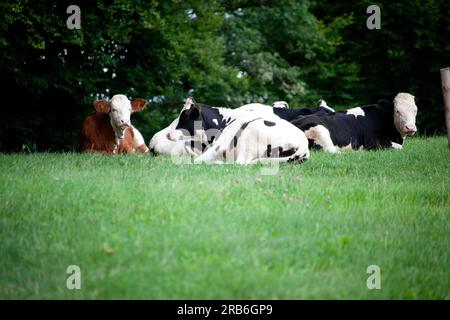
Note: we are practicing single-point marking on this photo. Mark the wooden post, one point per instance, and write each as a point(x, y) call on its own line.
point(445, 80)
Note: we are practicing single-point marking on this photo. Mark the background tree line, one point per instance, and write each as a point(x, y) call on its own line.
point(224, 53)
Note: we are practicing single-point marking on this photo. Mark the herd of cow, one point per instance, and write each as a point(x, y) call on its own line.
point(252, 133)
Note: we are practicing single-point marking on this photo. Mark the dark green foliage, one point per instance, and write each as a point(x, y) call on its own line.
point(405, 55)
point(224, 53)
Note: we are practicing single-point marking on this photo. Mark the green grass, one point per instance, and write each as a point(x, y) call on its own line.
point(146, 228)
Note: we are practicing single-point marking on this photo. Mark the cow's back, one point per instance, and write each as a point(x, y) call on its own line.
point(96, 134)
point(344, 129)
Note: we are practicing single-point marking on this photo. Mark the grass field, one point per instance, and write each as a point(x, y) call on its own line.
point(146, 228)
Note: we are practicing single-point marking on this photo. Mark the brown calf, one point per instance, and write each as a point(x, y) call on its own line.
point(109, 130)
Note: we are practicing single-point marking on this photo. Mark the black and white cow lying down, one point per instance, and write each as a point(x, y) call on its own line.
point(381, 125)
point(241, 136)
point(214, 120)
point(255, 139)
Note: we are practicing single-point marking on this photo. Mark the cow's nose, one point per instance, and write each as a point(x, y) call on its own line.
point(152, 151)
point(410, 129)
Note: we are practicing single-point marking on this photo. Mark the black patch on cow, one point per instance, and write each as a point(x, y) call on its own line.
point(278, 152)
point(269, 123)
point(269, 150)
point(205, 115)
point(374, 130)
point(228, 122)
point(287, 153)
point(313, 145)
point(239, 132)
point(298, 159)
point(291, 114)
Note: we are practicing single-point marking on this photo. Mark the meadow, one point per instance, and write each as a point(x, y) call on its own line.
point(142, 227)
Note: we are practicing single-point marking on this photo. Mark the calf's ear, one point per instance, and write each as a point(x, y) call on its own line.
point(138, 104)
point(102, 106)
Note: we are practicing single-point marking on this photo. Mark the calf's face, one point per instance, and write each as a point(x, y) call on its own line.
point(120, 109)
point(405, 112)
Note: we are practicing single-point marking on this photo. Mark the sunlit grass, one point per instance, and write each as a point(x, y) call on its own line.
point(143, 227)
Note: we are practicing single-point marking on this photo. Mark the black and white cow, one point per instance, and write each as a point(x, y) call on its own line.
point(381, 125)
point(246, 135)
point(251, 139)
point(172, 142)
point(281, 109)
point(214, 120)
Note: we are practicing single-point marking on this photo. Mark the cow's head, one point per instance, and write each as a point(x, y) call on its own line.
point(198, 122)
point(280, 104)
point(405, 111)
point(161, 144)
point(190, 115)
point(119, 109)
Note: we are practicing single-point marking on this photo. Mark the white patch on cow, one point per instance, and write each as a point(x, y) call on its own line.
point(280, 104)
point(188, 103)
point(226, 112)
point(358, 111)
point(405, 112)
point(200, 133)
point(321, 136)
point(138, 140)
point(323, 104)
point(345, 148)
point(396, 146)
point(120, 114)
point(215, 121)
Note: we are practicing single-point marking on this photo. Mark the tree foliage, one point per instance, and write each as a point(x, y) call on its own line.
point(223, 52)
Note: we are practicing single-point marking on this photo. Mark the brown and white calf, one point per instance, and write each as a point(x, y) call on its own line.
point(109, 129)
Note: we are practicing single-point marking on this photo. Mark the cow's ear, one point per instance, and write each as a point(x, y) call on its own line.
point(102, 106)
point(138, 104)
point(190, 102)
point(195, 112)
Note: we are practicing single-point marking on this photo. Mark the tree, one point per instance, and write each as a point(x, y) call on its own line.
point(225, 53)
point(159, 51)
point(405, 55)
point(285, 51)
